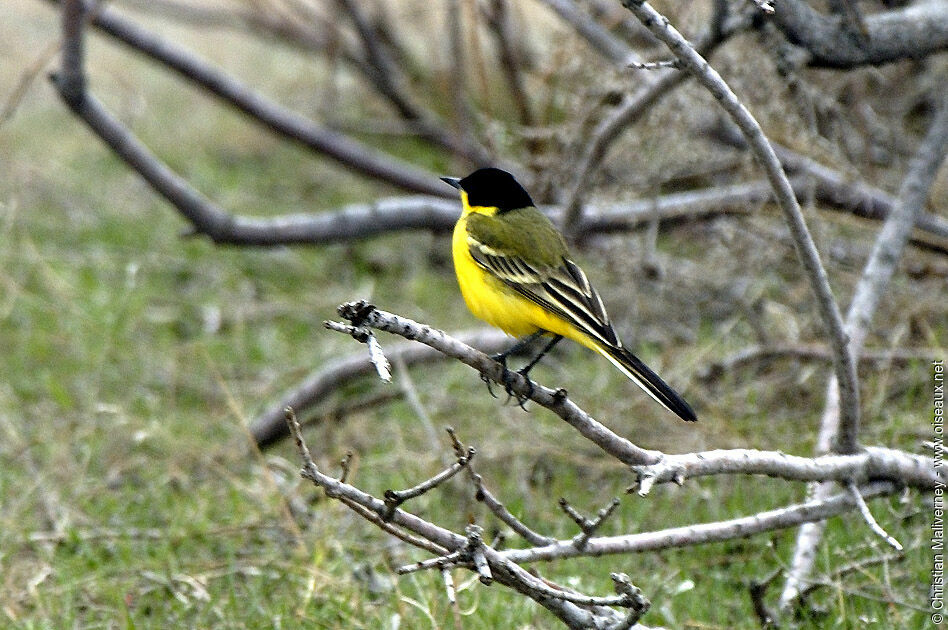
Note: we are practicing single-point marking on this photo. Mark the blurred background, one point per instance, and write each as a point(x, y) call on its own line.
point(135, 358)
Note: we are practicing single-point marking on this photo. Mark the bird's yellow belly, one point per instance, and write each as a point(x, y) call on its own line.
point(497, 304)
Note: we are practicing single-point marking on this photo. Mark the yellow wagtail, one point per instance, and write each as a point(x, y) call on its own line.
point(516, 273)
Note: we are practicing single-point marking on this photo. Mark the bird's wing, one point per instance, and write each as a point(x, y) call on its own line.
point(562, 288)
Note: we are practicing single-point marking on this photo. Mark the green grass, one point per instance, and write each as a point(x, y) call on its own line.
point(133, 360)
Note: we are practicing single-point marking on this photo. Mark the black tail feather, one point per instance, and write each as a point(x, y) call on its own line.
point(648, 380)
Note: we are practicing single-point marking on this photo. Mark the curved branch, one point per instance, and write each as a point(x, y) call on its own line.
point(886, 252)
point(363, 314)
point(270, 426)
point(845, 366)
point(289, 124)
point(911, 32)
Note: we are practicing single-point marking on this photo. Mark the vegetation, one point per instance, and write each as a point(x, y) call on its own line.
point(133, 360)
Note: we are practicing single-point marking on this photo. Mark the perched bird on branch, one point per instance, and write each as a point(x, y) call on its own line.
point(516, 273)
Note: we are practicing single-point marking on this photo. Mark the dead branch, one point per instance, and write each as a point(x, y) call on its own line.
point(835, 428)
point(482, 494)
point(910, 32)
point(270, 426)
point(844, 365)
point(873, 472)
point(703, 533)
point(364, 314)
point(344, 149)
point(871, 463)
point(467, 550)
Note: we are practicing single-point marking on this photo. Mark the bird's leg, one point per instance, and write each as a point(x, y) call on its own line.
point(501, 358)
point(529, 366)
point(549, 346)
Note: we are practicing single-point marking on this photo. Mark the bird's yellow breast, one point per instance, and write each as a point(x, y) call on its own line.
point(491, 300)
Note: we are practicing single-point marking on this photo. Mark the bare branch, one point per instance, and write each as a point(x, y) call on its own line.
point(588, 526)
point(394, 498)
point(699, 534)
point(364, 314)
point(482, 494)
point(893, 236)
point(845, 366)
point(911, 32)
point(870, 519)
point(291, 125)
point(270, 426)
point(887, 250)
point(575, 609)
point(872, 462)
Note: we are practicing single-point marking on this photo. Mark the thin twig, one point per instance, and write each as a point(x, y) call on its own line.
point(870, 519)
point(394, 498)
point(587, 526)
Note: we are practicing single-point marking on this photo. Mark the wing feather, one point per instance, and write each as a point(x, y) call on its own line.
point(563, 289)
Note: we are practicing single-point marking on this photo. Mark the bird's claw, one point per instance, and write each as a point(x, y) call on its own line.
point(502, 359)
point(507, 379)
point(487, 382)
point(508, 387)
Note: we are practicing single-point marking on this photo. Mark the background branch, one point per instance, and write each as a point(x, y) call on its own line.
point(845, 366)
point(885, 255)
point(291, 125)
point(910, 32)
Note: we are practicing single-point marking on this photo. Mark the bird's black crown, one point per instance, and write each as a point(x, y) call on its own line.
point(494, 188)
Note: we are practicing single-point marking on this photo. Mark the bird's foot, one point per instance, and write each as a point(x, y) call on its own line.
point(508, 387)
point(501, 358)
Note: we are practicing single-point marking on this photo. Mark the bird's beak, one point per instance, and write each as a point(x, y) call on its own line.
point(452, 181)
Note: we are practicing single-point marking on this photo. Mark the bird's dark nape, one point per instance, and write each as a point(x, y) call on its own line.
point(494, 188)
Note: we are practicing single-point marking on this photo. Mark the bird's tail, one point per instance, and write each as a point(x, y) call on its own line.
point(648, 380)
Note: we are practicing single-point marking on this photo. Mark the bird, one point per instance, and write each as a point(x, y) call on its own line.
point(515, 272)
